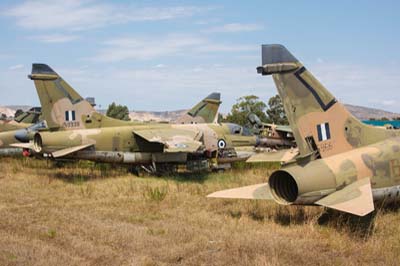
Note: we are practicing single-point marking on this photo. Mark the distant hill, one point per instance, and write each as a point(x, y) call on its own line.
point(362, 113)
point(366, 113)
point(160, 116)
point(16, 107)
point(156, 116)
point(7, 111)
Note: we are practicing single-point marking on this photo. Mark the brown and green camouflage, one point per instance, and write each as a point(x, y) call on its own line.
point(77, 131)
point(64, 109)
point(342, 163)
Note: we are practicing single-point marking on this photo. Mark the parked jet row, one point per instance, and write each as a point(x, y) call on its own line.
point(339, 162)
point(76, 131)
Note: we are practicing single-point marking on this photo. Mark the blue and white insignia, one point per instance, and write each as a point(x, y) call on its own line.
point(69, 116)
point(324, 132)
point(221, 144)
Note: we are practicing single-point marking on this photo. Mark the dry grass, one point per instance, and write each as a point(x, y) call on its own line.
point(99, 215)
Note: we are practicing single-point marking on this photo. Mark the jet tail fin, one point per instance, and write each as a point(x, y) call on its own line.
point(206, 111)
point(355, 198)
point(320, 124)
point(62, 106)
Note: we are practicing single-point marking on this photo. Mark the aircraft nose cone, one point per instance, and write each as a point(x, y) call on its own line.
point(22, 135)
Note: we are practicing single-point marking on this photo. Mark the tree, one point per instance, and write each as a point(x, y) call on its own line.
point(276, 112)
point(117, 111)
point(3, 117)
point(245, 105)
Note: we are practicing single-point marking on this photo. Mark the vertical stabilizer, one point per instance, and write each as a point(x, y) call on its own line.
point(206, 111)
point(321, 125)
point(62, 106)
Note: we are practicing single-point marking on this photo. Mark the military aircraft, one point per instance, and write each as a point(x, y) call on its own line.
point(63, 108)
point(54, 93)
point(24, 120)
point(77, 131)
point(342, 164)
point(272, 135)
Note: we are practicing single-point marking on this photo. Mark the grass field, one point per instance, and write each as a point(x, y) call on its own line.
point(98, 215)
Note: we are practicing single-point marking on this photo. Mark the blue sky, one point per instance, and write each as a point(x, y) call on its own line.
point(167, 55)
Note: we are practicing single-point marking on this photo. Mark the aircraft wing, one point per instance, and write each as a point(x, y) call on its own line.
point(355, 198)
point(274, 156)
point(67, 151)
point(281, 128)
point(259, 191)
point(285, 129)
point(174, 140)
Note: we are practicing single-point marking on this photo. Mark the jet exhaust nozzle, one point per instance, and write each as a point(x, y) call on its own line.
point(37, 143)
point(302, 184)
point(284, 187)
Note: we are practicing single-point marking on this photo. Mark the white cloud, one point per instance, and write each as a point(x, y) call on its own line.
point(388, 102)
point(142, 49)
point(15, 67)
point(235, 27)
point(361, 85)
point(172, 45)
point(55, 38)
point(214, 47)
point(177, 87)
point(87, 14)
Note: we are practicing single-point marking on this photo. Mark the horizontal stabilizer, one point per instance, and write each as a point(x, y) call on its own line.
point(23, 145)
point(355, 198)
point(67, 151)
point(281, 128)
point(274, 156)
point(260, 191)
point(174, 140)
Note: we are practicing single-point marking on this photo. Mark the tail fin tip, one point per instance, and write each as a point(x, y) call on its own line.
point(38, 68)
point(276, 58)
point(215, 96)
point(276, 53)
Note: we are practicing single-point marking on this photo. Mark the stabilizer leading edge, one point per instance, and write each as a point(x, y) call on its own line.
point(259, 191)
point(355, 198)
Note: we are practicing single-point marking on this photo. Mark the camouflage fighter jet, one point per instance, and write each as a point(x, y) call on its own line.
point(342, 164)
point(24, 120)
point(61, 103)
point(10, 130)
point(64, 108)
point(77, 131)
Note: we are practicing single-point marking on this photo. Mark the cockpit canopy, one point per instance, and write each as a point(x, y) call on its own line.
point(235, 129)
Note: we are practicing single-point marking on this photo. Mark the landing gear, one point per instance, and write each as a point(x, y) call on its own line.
point(153, 169)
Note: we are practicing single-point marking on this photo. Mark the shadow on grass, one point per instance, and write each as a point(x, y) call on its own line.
point(199, 177)
point(356, 226)
point(73, 178)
